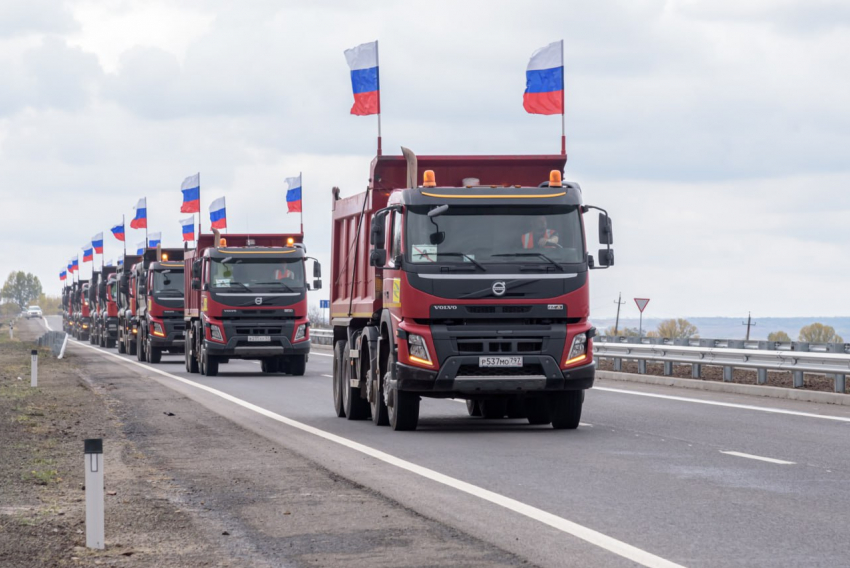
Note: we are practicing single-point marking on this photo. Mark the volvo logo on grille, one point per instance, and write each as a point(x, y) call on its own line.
point(499, 288)
point(258, 301)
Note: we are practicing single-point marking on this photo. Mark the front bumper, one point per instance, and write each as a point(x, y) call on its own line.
point(111, 329)
point(236, 348)
point(174, 339)
point(454, 377)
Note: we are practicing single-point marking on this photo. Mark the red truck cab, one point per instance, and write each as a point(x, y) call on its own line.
point(472, 284)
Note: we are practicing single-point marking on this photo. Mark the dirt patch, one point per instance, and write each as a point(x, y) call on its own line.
point(185, 486)
point(740, 376)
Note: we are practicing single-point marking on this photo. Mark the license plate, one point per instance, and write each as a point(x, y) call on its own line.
point(500, 361)
point(259, 338)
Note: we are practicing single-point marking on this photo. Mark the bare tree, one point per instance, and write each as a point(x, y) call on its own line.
point(677, 329)
point(317, 316)
point(819, 333)
point(622, 332)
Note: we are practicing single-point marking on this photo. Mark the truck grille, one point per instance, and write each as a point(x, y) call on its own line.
point(476, 371)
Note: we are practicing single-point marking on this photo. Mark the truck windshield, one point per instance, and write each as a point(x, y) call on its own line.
point(495, 234)
point(168, 283)
point(251, 274)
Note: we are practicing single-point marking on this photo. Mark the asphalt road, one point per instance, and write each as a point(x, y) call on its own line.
point(654, 476)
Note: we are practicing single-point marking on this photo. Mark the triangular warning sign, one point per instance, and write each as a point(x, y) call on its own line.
point(641, 303)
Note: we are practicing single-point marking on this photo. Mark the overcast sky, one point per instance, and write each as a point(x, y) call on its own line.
point(715, 132)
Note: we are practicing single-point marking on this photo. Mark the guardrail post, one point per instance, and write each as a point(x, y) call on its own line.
point(618, 364)
point(641, 366)
point(729, 371)
point(762, 373)
point(798, 375)
point(839, 380)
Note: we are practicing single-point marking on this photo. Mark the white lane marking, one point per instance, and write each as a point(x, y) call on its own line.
point(328, 376)
point(760, 458)
point(726, 404)
point(586, 534)
point(320, 354)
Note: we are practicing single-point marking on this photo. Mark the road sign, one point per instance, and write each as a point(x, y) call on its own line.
point(324, 304)
point(641, 303)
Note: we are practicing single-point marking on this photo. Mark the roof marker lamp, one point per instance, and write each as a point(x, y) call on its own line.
point(578, 350)
point(429, 179)
point(555, 178)
point(418, 350)
point(290, 241)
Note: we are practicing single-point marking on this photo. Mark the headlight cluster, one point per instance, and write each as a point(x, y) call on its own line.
point(578, 350)
point(301, 332)
point(157, 330)
point(417, 349)
point(215, 332)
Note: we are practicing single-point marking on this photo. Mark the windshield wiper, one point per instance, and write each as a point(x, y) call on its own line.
point(540, 254)
point(234, 283)
point(169, 291)
point(276, 283)
point(464, 255)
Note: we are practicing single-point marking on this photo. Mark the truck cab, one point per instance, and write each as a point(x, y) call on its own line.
point(478, 290)
point(160, 286)
point(247, 299)
point(128, 327)
point(107, 310)
point(84, 319)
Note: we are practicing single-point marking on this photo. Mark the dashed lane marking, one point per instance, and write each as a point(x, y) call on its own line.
point(760, 458)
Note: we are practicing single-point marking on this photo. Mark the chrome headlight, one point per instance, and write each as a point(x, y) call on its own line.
point(157, 329)
point(215, 332)
point(578, 350)
point(301, 332)
point(416, 347)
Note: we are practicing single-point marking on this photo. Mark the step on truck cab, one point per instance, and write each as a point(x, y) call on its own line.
point(128, 325)
point(246, 298)
point(463, 277)
point(160, 287)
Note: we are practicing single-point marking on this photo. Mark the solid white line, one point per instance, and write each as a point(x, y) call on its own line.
point(726, 404)
point(320, 354)
point(328, 376)
point(760, 458)
point(579, 531)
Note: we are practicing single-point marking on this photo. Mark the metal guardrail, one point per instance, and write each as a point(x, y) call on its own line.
point(55, 340)
point(831, 359)
point(322, 336)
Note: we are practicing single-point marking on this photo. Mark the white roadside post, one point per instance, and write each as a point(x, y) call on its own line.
point(34, 368)
point(11, 334)
point(93, 449)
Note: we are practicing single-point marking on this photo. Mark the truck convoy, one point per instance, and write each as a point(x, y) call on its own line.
point(105, 327)
point(247, 299)
point(94, 308)
point(159, 288)
point(82, 310)
point(472, 284)
point(128, 327)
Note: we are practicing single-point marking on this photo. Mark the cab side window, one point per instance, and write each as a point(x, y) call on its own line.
point(395, 244)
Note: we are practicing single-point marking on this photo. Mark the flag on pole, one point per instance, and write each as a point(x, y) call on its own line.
point(120, 261)
point(74, 266)
point(544, 80)
point(218, 214)
point(154, 239)
point(293, 194)
point(109, 262)
point(63, 275)
point(365, 82)
point(140, 248)
point(191, 189)
point(140, 220)
point(88, 253)
point(118, 232)
point(188, 225)
point(97, 243)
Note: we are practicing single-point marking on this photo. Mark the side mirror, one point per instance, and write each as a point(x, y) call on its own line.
point(196, 269)
point(317, 269)
point(317, 284)
point(606, 230)
point(378, 257)
point(606, 257)
point(196, 283)
point(378, 231)
point(590, 263)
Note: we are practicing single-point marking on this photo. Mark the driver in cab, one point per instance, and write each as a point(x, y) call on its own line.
point(540, 235)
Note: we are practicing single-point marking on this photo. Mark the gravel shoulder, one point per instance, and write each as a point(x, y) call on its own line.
point(185, 486)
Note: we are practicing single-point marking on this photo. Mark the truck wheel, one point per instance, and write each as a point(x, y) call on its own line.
point(209, 364)
point(121, 347)
point(473, 408)
point(154, 355)
point(537, 411)
point(403, 409)
point(140, 348)
point(566, 409)
point(516, 407)
point(297, 365)
point(110, 343)
point(131, 345)
point(339, 349)
point(270, 365)
point(355, 407)
point(493, 408)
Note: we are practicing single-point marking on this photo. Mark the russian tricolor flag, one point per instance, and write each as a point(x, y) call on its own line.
point(218, 214)
point(544, 80)
point(363, 62)
point(75, 264)
point(154, 239)
point(191, 189)
point(140, 221)
point(293, 194)
point(63, 275)
point(140, 248)
point(118, 232)
point(188, 225)
point(88, 253)
point(97, 243)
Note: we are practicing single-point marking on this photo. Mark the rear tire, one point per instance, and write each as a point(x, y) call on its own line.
point(566, 409)
point(537, 411)
point(297, 365)
point(339, 349)
point(473, 408)
point(356, 408)
point(494, 408)
point(270, 365)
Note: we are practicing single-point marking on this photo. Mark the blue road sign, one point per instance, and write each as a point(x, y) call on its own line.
point(324, 304)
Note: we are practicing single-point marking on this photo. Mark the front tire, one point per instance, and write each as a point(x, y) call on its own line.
point(494, 408)
point(154, 354)
point(270, 365)
point(473, 408)
point(566, 409)
point(537, 411)
point(402, 407)
point(122, 348)
point(297, 365)
point(140, 348)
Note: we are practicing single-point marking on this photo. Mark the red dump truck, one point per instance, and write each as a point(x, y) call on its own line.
point(159, 290)
point(463, 277)
point(247, 299)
